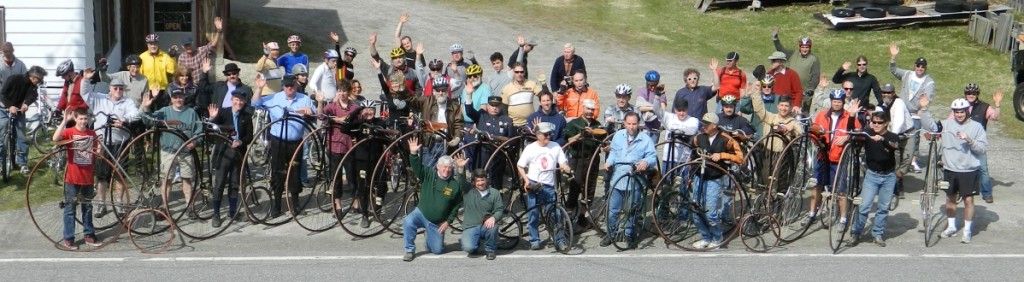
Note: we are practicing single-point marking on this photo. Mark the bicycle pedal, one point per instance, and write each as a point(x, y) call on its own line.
point(826, 194)
point(856, 200)
point(943, 185)
point(811, 182)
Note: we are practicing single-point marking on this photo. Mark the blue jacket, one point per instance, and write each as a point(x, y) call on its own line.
point(641, 149)
point(554, 118)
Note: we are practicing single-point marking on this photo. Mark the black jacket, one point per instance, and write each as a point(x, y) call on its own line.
point(18, 90)
point(214, 93)
point(245, 131)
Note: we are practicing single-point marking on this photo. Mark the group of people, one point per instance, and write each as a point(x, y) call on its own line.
point(456, 98)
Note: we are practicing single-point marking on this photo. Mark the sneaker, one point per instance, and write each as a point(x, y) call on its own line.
point(915, 167)
point(491, 256)
point(92, 241)
point(948, 233)
point(24, 169)
point(606, 241)
point(714, 245)
point(701, 244)
point(100, 213)
point(879, 241)
point(536, 247)
point(408, 256)
point(807, 221)
point(365, 222)
point(988, 199)
point(853, 242)
point(966, 239)
point(215, 222)
point(69, 245)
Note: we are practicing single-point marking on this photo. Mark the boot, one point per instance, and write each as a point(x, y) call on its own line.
point(215, 221)
point(232, 208)
point(295, 203)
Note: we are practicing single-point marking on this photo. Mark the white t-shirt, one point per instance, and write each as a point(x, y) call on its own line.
point(688, 126)
point(541, 162)
point(914, 85)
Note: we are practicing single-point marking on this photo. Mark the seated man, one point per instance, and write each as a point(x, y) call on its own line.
point(629, 150)
point(481, 214)
point(440, 198)
point(721, 147)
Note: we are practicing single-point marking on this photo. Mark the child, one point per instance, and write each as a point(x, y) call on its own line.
point(78, 180)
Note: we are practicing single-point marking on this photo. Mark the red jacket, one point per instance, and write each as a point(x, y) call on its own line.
point(730, 82)
point(824, 119)
point(71, 96)
point(788, 83)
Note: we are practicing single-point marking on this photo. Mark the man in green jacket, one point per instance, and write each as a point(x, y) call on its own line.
point(440, 198)
point(481, 214)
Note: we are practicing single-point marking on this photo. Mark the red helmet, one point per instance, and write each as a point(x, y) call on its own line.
point(806, 41)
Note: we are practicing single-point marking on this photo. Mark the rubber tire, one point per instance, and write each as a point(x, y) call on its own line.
point(975, 5)
point(873, 13)
point(857, 7)
point(1018, 101)
point(886, 3)
point(902, 11)
point(949, 6)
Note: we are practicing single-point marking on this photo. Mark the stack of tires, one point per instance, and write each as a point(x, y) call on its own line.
point(874, 9)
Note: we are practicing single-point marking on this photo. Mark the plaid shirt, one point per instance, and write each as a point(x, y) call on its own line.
point(340, 142)
point(193, 62)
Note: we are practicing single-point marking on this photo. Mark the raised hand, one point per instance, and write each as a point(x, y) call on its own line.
point(260, 81)
point(414, 144)
point(218, 23)
point(521, 40)
point(88, 73)
point(375, 63)
point(403, 18)
point(893, 49)
point(419, 48)
point(373, 38)
point(213, 110)
point(847, 65)
point(206, 65)
point(714, 64)
point(775, 32)
point(923, 102)
point(460, 160)
point(997, 98)
point(823, 81)
point(334, 36)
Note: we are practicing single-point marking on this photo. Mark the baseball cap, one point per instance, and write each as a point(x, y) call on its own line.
point(589, 104)
point(710, 118)
point(177, 92)
point(240, 93)
point(777, 56)
point(545, 127)
point(921, 62)
point(288, 80)
point(888, 88)
point(494, 100)
point(732, 56)
point(187, 40)
point(117, 82)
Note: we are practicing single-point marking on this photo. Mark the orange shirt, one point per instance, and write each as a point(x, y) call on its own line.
point(572, 102)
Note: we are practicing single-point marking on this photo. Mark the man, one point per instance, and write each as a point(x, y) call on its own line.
point(519, 96)
point(502, 76)
point(397, 66)
point(458, 69)
point(548, 113)
point(363, 162)
point(193, 57)
point(981, 112)
point(237, 121)
point(696, 95)
point(651, 100)
point(769, 100)
point(289, 60)
point(11, 64)
point(189, 125)
point(301, 73)
point(899, 121)
point(75, 87)
point(712, 183)
point(863, 82)
point(565, 68)
point(537, 166)
point(833, 121)
point(614, 117)
point(571, 101)
point(136, 84)
point(405, 42)
point(19, 91)
point(219, 93)
point(324, 82)
point(730, 78)
point(964, 141)
point(681, 127)
point(580, 155)
point(474, 91)
point(731, 121)
point(267, 66)
point(439, 202)
point(780, 122)
point(879, 179)
point(495, 124)
point(787, 81)
point(803, 62)
point(915, 84)
point(284, 136)
point(430, 73)
point(481, 215)
point(438, 109)
point(344, 68)
point(629, 150)
point(156, 67)
point(125, 111)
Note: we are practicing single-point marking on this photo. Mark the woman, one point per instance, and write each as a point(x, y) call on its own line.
point(183, 80)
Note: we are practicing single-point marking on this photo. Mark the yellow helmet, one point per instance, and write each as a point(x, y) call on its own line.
point(397, 52)
point(474, 69)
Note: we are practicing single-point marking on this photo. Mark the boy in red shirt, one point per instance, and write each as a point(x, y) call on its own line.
point(78, 180)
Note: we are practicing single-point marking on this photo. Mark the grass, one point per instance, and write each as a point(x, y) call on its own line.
point(12, 195)
point(673, 27)
point(247, 37)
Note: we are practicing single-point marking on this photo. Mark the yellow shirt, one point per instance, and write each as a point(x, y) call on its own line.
point(157, 68)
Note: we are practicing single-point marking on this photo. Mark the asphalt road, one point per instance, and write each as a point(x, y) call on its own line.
point(288, 252)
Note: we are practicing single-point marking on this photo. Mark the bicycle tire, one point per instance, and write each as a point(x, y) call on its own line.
point(678, 214)
point(46, 210)
point(112, 198)
point(791, 174)
point(759, 232)
point(347, 217)
point(192, 215)
point(156, 242)
point(390, 181)
point(632, 209)
point(508, 157)
point(511, 231)
point(42, 138)
point(597, 206)
point(481, 163)
point(140, 162)
point(844, 192)
point(929, 194)
point(759, 161)
point(315, 204)
point(257, 171)
point(7, 156)
point(560, 225)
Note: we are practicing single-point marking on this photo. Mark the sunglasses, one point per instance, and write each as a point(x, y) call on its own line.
point(861, 65)
point(971, 93)
point(231, 73)
point(877, 122)
point(920, 66)
point(518, 71)
point(844, 88)
point(766, 86)
point(890, 93)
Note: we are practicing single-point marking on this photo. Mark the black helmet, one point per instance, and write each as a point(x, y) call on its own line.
point(65, 68)
point(132, 59)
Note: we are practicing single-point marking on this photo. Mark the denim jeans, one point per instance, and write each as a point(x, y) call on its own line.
point(19, 131)
point(71, 191)
point(470, 240)
point(708, 194)
point(875, 184)
point(546, 195)
point(615, 202)
point(412, 223)
point(986, 182)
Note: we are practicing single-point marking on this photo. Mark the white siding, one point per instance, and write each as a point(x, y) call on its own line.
point(47, 32)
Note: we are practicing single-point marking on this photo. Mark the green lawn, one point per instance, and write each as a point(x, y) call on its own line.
point(673, 27)
point(12, 195)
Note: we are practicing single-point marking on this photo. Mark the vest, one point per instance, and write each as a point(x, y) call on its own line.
point(703, 141)
point(978, 111)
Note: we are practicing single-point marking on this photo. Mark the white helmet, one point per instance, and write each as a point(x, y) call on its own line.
point(960, 104)
point(623, 90)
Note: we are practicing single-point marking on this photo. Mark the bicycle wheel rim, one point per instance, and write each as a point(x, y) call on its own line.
point(314, 210)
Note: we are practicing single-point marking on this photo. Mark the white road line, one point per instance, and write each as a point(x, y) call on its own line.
point(512, 256)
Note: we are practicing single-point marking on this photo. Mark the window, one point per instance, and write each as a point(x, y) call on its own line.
point(172, 16)
point(105, 22)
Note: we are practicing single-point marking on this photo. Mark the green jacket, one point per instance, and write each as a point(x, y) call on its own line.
point(585, 150)
point(478, 208)
point(439, 198)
